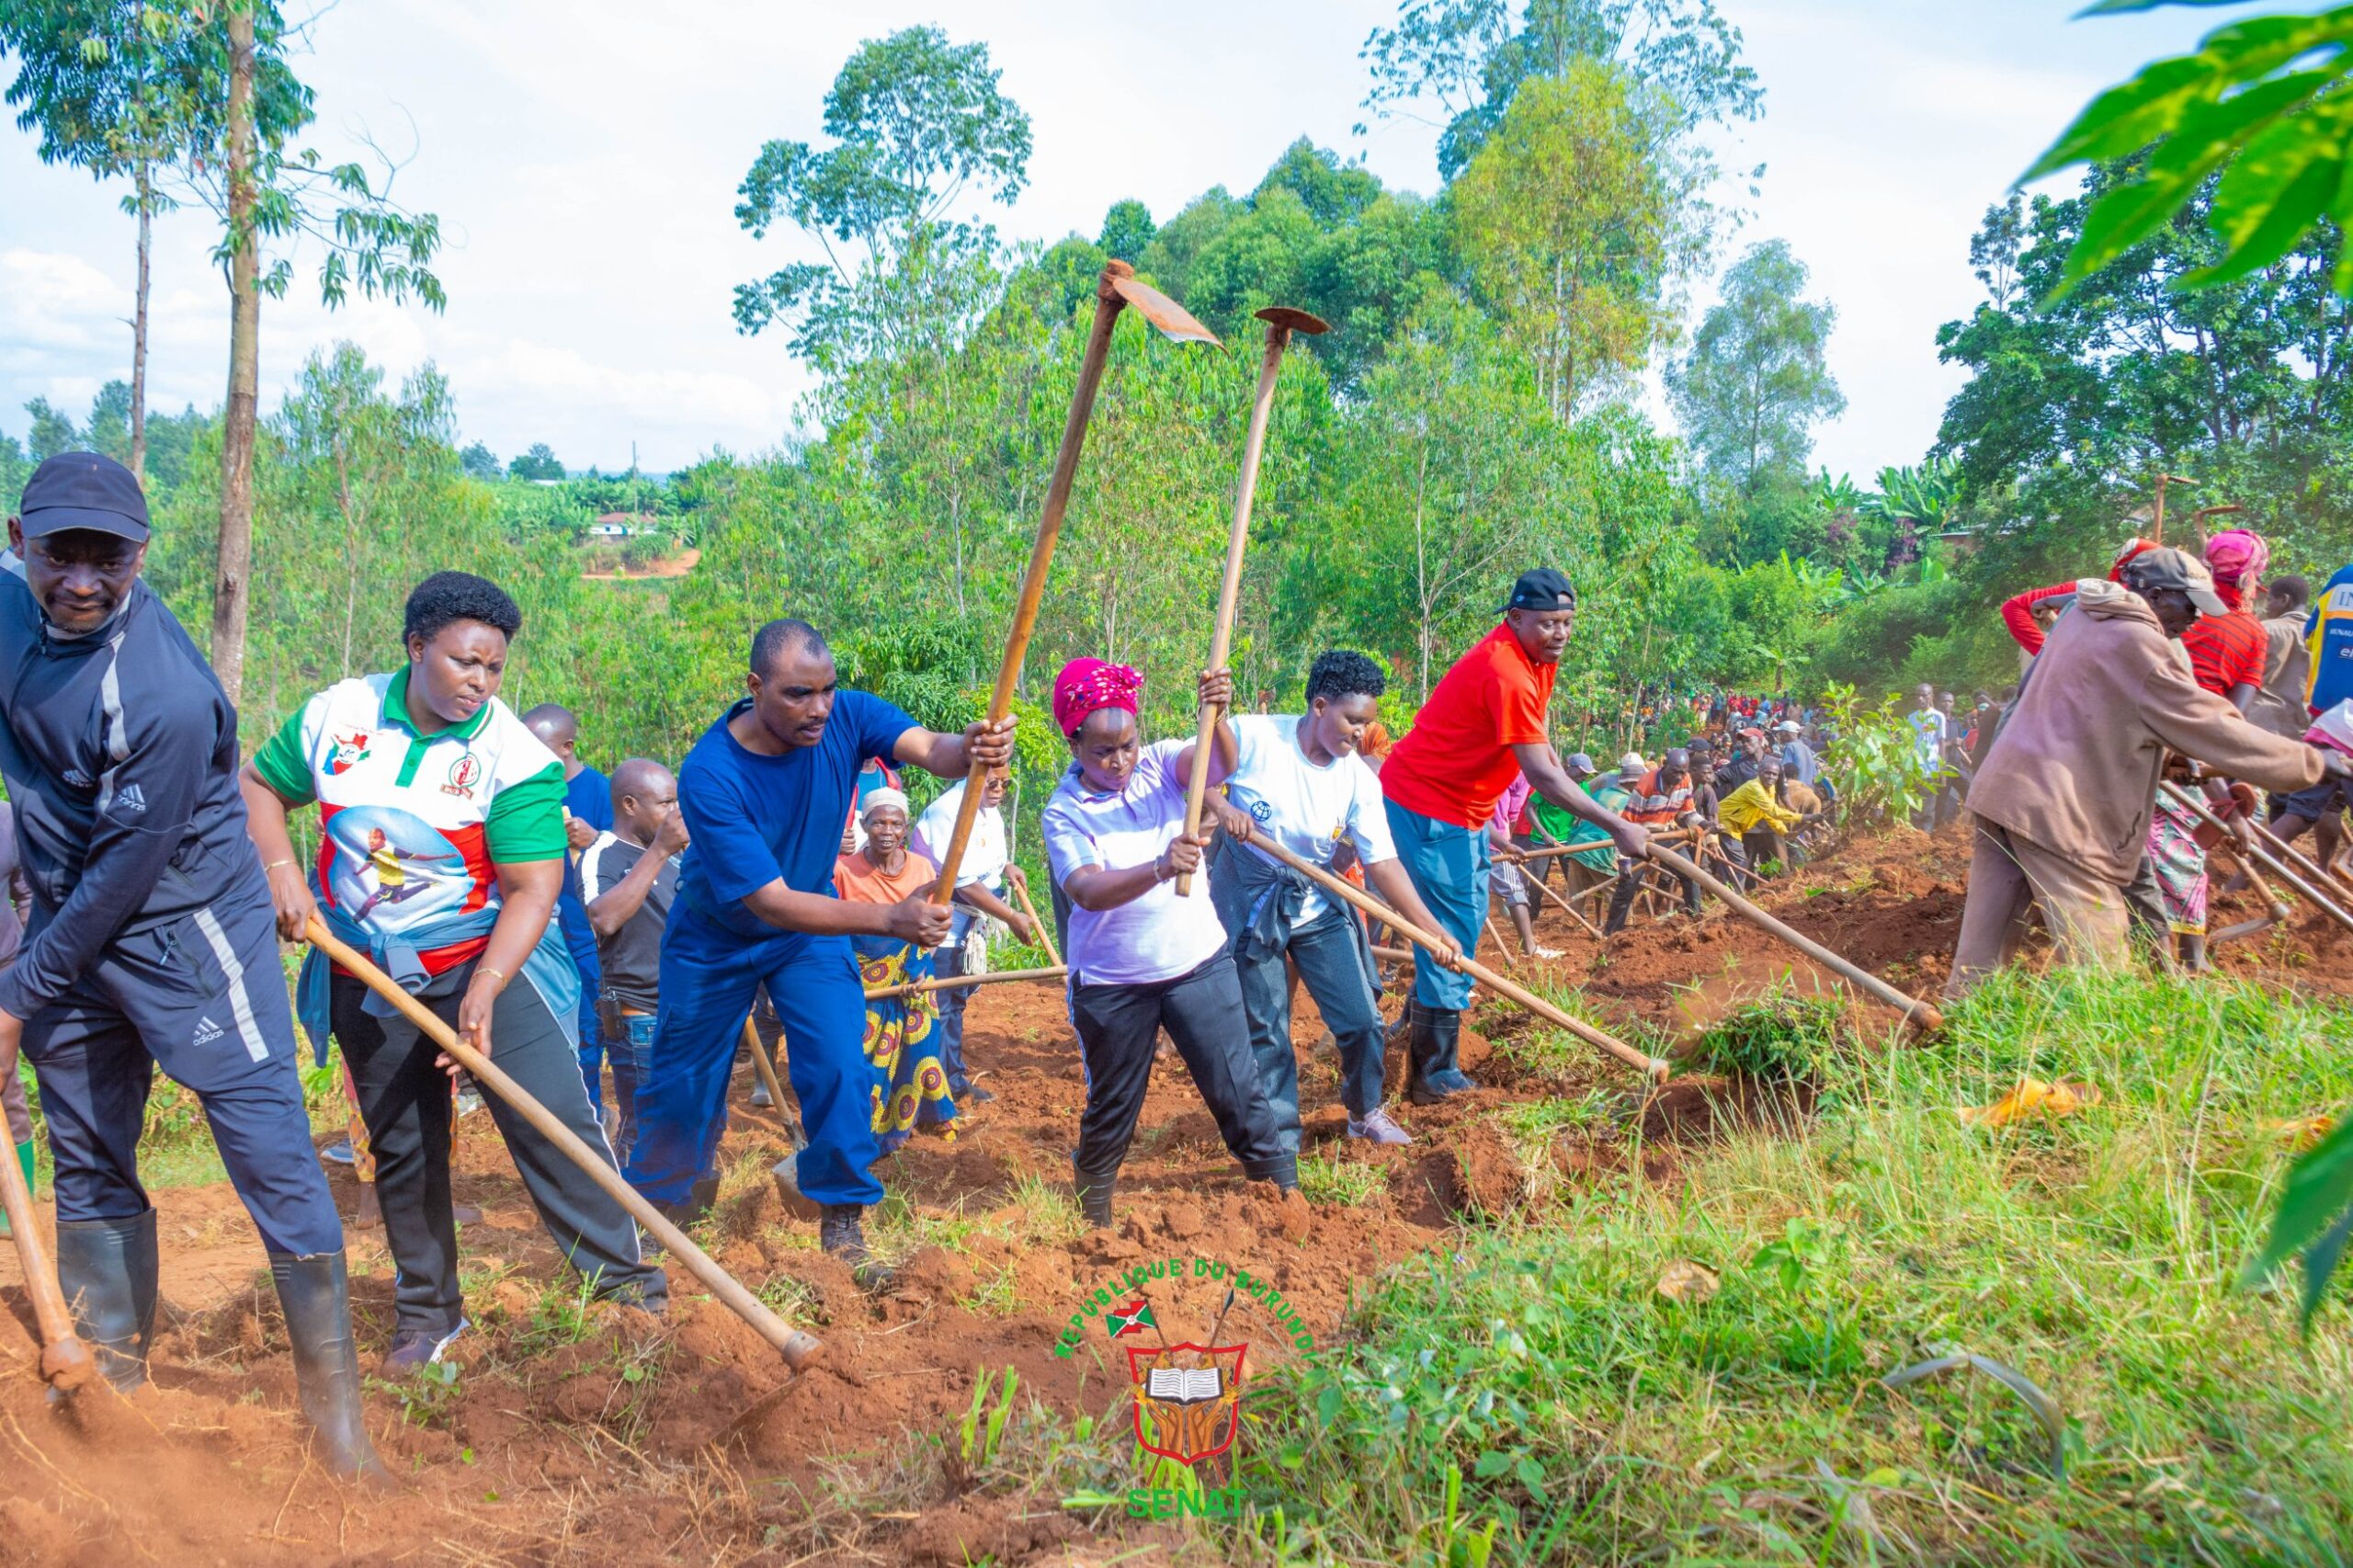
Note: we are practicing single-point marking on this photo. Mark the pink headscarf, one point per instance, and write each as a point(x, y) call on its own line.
point(2237, 556)
point(1087, 685)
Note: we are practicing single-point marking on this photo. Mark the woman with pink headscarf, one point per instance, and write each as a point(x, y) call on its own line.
point(1141, 957)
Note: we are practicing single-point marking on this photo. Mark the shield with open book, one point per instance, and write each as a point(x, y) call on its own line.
point(1188, 1399)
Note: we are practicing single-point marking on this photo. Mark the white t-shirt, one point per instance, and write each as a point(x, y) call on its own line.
point(986, 855)
point(1157, 935)
point(1304, 808)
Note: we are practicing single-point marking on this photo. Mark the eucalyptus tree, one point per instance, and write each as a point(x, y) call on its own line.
point(114, 87)
point(1757, 377)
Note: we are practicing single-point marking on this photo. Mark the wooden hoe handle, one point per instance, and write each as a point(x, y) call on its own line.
point(1649, 1066)
point(65, 1362)
point(797, 1347)
point(1924, 1019)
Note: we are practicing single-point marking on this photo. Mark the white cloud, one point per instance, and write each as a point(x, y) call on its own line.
point(585, 163)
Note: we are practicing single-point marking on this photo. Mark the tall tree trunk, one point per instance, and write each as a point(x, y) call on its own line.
point(139, 329)
point(230, 601)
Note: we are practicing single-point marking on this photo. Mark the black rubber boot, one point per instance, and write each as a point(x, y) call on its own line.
point(842, 1232)
point(1282, 1170)
point(107, 1268)
point(1437, 1036)
point(315, 1293)
point(1095, 1196)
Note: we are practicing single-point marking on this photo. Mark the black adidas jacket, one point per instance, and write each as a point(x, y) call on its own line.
point(120, 750)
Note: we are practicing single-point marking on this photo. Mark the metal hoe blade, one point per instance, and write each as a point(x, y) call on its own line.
point(1173, 319)
point(1289, 320)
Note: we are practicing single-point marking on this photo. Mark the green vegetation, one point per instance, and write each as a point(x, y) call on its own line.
point(1535, 1375)
point(1784, 1039)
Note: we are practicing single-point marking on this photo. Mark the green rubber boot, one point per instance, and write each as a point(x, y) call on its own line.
point(24, 1163)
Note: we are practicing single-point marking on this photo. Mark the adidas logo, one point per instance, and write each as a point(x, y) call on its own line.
point(207, 1031)
point(79, 779)
point(130, 798)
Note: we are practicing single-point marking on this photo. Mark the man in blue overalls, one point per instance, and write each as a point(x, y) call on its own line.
point(765, 793)
point(152, 939)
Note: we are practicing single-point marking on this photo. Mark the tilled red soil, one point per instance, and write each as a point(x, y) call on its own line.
point(611, 1436)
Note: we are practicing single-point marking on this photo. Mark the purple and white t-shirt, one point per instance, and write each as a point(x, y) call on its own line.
point(1158, 936)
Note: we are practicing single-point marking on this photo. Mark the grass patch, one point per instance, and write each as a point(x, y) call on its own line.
point(1784, 1038)
point(1326, 1177)
point(1594, 1112)
point(1532, 1381)
point(1535, 1047)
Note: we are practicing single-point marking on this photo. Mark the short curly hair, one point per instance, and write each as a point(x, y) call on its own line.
point(448, 597)
point(1343, 671)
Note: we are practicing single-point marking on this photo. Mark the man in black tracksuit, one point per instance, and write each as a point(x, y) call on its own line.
point(152, 939)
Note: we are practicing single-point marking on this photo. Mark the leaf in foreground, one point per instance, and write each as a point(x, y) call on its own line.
point(2315, 1211)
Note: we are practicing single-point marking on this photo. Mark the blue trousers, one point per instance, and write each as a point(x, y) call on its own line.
point(630, 1050)
point(580, 941)
point(709, 976)
point(1330, 957)
point(204, 998)
point(1449, 865)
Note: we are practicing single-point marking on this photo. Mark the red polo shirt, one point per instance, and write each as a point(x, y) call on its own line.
point(1456, 762)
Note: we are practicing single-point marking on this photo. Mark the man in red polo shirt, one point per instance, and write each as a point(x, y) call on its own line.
point(1482, 728)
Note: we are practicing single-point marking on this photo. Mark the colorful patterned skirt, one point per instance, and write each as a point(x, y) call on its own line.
point(2179, 862)
point(903, 1041)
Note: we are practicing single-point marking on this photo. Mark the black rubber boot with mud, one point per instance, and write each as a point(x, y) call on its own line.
point(315, 1293)
point(1435, 1047)
point(1095, 1196)
point(107, 1270)
point(842, 1232)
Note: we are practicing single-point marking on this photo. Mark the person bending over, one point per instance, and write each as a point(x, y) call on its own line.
point(2062, 805)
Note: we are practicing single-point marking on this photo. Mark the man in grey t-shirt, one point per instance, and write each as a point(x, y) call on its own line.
point(627, 877)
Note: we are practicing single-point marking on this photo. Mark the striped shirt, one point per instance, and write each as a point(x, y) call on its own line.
point(2227, 651)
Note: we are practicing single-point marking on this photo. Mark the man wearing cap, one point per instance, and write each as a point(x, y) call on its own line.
point(1747, 755)
point(1798, 761)
point(2062, 807)
point(152, 940)
point(1665, 796)
point(1483, 726)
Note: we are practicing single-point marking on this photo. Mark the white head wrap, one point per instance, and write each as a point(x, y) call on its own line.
point(883, 797)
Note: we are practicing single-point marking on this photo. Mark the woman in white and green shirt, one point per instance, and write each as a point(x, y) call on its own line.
point(440, 853)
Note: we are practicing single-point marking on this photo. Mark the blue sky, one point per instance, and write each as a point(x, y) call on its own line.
point(584, 166)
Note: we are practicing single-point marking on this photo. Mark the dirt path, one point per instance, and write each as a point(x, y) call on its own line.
point(609, 1436)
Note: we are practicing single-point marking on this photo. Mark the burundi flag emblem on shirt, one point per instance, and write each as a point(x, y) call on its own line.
point(1132, 1318)
point(350, 750)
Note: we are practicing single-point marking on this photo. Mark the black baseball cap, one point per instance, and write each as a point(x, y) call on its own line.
point(1541, 589)
point(83, 490)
